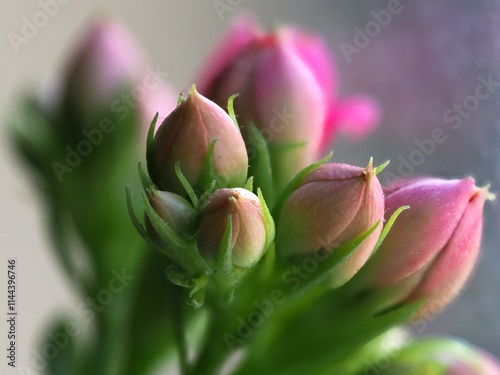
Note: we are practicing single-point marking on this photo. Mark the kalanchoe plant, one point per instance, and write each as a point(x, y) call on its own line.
point(320, 295)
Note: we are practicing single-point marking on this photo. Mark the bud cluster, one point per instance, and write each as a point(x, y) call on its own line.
point(208, 190)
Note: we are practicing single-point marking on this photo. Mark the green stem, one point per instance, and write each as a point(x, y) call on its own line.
point(214, 350)
point(180, 333)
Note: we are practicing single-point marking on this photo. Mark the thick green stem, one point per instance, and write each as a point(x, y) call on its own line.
point(215, 350)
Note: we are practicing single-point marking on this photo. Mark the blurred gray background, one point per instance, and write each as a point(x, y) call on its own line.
point(423, 63)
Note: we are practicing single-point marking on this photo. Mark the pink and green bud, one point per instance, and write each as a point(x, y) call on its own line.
point(109, 72)
point(334, 204)
point(287, 86)
point(186, 137)
point(433, 246)
point(174, 210)
point(107, 59)
point(440, 356)
point(250, 232)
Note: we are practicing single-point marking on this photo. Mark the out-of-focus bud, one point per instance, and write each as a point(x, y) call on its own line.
point(186, 135)
point(432, 248)
point(176, 211)
point(107, 59)
point(109, 72)
point(443, 356)
point(287, 86)
point(334, 204)
point(250, 234)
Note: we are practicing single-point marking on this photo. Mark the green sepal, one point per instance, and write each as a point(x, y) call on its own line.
point(164, 231)
point(135, 221)
point(186, 185)
point(183, 251)
point(208, 171)
point(150, 144)
point(381, 167)
point(249, 184)
point(230, 109)
point(260, 162)
point(268, 220)
point(224, 275)
point(294, 184)
point(206, 195)
point(146, 182)
point(180, 99)
point(224, 258)
point(177, 278)
point(337, 257)
point(197, 294)
point(388, 226)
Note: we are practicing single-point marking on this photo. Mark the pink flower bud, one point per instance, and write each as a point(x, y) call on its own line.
point(287, 86)
point(433, 246)
point(106, 59)
point(186, 135)
point(109, 71)
point(176, 211)
point(334, 204)
point(249, 232)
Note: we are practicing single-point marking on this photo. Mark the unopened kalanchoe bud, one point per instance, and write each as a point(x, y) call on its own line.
point(105, 61)
point(334, 204)
point(109, 72)
point(287, 86)
point(432, 248)
point(250, 234)
point(186, 135)
point(176, 211)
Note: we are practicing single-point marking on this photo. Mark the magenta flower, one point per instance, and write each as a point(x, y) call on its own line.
point(433, 246)
point(335, 203)
point(287, 86)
